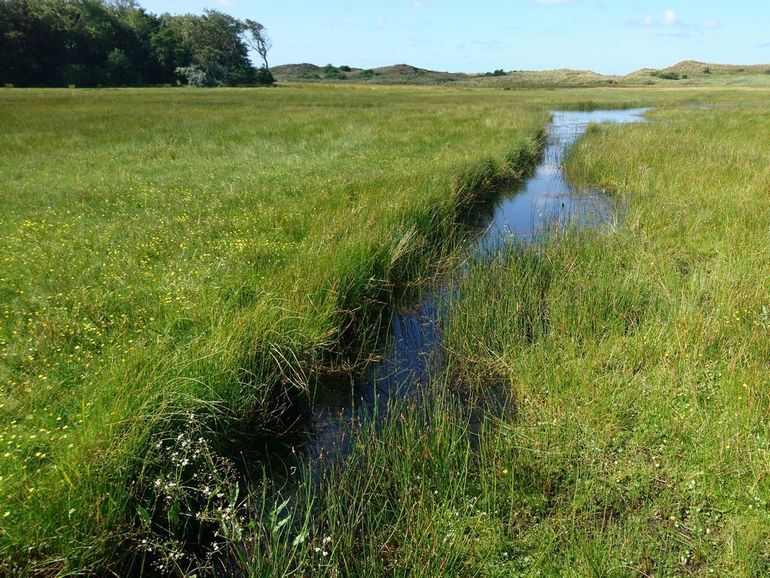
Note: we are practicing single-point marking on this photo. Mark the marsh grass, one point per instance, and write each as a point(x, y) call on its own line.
point(171, 253)
point(641, 404)
point(635, 357)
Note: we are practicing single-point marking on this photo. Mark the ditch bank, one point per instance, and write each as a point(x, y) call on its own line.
point(413, 354)
point(316, 415)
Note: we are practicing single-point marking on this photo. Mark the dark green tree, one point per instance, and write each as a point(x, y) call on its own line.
point(216, 46)
point(117, 42)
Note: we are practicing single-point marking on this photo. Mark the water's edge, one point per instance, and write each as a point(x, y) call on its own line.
point(413, 348)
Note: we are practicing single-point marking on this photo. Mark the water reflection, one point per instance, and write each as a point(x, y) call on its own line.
point(545, 200)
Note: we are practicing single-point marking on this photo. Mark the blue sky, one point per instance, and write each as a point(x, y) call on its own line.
point(609, 36)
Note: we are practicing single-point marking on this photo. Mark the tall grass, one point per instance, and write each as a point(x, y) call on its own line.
point(635, 359)
point(639, 423)
point(172, 254)
point(179, 263)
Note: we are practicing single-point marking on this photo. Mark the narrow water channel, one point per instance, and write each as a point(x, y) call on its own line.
point(413, 350)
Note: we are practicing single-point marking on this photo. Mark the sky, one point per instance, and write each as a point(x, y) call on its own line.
point(608, 36)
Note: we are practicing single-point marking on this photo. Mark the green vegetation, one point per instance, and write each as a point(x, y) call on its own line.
point(173, 253)
point(635, 357)
point(688, 73)
point(638, 357)
point(183, 267)
point(671, 75)
point(106, 43)
point(387, 75)
point(333, 73)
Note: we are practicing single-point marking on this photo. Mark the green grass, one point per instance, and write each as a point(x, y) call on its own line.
point(171, 252)
point(640, 408)
point(636, 361)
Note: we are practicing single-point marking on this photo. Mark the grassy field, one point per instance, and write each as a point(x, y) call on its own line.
point(636, 357)
point(179, 264)
point(176, 253)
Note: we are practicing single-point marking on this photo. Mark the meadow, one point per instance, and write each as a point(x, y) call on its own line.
point(180, 265)
point(634, 442)
point(172, 253)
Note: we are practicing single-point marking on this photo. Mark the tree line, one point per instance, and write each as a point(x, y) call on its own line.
point(119, 43)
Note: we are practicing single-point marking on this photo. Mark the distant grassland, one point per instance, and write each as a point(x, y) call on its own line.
point(686, 73)
point(169, 253)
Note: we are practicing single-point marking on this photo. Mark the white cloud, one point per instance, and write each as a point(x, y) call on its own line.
point(225, 2)
point(342, 23)
point(670, 18)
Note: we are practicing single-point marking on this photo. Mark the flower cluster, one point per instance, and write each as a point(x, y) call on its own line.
point(192, 509)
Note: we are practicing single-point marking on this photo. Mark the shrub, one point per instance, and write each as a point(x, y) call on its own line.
point(334, 73)
point(192, 76)
point(239, 76)
point(264, 77)
point(666, 75)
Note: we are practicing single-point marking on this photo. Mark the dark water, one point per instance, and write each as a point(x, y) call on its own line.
point(413, 351)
